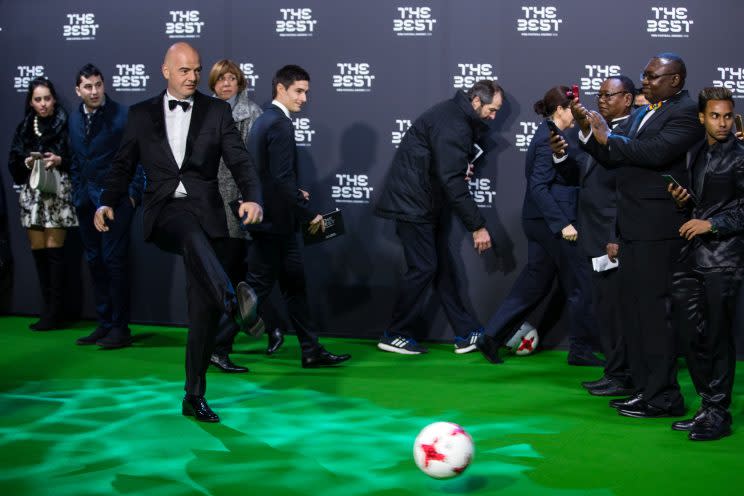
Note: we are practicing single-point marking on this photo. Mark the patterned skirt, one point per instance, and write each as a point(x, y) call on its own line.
point(47, 209)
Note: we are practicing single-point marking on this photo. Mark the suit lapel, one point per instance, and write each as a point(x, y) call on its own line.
point(692, 155)
point(198, 114)
point(157, 117)
point(637, 118)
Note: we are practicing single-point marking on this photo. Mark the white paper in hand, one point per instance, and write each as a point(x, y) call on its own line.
point(604, 263)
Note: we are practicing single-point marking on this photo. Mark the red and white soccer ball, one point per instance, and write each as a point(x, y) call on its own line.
point(443, 450)
point(524, 341)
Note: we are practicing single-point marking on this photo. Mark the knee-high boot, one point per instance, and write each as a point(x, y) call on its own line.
point(42, 271)
point(54, 316)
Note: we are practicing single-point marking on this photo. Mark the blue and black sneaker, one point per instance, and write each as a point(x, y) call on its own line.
point(395, 343)
point(467, 344)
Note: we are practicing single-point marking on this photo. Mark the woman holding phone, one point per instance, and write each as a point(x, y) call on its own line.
point(42, 136)
point(548, 220)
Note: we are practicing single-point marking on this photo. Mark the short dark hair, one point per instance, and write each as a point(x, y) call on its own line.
point(485, 90)
point(555, 97)
point(35, 83)
point(673, 57)
point(88, 71)
point(626, 82)
point(288, 75)
point(711, 93)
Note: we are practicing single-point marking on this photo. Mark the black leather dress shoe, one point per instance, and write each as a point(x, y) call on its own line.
point(322, 358)
point(489, 348)
point(644, 410)
point(584, 358)
point(630, 401)
point(276, 340)
point(196, 406)
point(612, 389)
point(245, 313)
point(688, 424)
point(93, 337)
point(713, 426)
point(116, 338)
point(602, 382)
point(224, 363)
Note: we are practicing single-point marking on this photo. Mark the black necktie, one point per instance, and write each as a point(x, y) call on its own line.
point(172, 104)
point(88, 123)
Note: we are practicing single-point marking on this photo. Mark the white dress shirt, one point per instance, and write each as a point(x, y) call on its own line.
point(282, 107)
point(177, 122)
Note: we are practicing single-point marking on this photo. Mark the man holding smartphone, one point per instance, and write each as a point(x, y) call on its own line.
point(654, 143)
point(706, 287)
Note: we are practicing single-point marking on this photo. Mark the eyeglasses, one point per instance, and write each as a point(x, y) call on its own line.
point(227, 77)
point(653, 77)
point(607, 96)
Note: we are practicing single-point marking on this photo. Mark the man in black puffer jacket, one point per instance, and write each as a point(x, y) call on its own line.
point(424, 184)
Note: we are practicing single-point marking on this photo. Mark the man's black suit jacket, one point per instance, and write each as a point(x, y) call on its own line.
point(720, 200)
point(644, 209)
point(271, 143)
point(597, 215)
point(212, 134)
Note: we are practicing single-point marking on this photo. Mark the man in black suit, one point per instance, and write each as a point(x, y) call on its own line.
point(655, 143)
point(274, 254)
point(707, 285)
point(179, 137)
point(596, 222)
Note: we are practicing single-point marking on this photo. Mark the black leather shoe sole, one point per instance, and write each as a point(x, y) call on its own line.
point(324, 362)
point(683, 425)
point(188, 411)
point(610, 391)
point(650, 412)
point(709, 436)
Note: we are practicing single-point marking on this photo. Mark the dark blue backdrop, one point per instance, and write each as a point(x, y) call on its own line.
point(375, 66)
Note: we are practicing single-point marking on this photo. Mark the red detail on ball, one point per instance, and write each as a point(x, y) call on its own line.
point(526, 344)
point(431, 453)
point(459, 470)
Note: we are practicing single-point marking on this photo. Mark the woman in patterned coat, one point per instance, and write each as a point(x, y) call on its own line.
point(46, 216)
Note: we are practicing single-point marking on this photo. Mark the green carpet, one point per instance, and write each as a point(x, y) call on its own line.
point(78, 420)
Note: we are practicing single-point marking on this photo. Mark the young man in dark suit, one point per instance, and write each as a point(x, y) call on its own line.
point(95, 132)
point(657, 138)
point(707, 285)
point(179, 137)
point(275, 255)
point(596, 217)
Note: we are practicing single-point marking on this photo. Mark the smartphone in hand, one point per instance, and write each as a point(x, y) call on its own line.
point(739, 124)
point(573, 92)
point(671, 180)
point(552, 126)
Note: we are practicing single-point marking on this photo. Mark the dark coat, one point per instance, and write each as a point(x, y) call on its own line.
point(549, 196)
point(212, 134)
point(53, 139)
point(721, 201)
point(597, 212)
point(271, 144)
point(92, 156)
point(641, 157)
point(429, 166)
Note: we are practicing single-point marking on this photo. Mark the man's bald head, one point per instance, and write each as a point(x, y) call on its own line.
point(182, 69)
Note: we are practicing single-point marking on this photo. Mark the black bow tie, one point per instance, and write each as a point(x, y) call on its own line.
point(172, 104)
